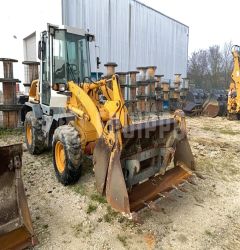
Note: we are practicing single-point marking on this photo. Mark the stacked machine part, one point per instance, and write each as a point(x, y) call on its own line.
point(110, 68)
point(175, 93)
point(132, 101)
point(123, 84)
point(144, 92)
point(159, 94)
point(151, 95)
point(141, 90)
point(30, 73)
point(166, 90)
point(10, 107)
point(184, 91)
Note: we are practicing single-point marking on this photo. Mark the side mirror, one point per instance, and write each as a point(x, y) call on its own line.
point(41, 50)
point(90, 37)
point(98, 62)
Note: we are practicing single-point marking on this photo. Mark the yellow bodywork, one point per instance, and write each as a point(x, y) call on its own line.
point(93, 116)
point(131, 161)
point(234, 88)
point(34, 92)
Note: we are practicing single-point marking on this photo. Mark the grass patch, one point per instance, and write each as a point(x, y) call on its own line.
point(224, 131)
point(4, 132)
point(110, 215)
point(83, 230)
point(87, 166)
point(228, 132)
point(91, 208)
point(207, 129)
point(209, 233)
point(99, 198)
point(107, 218)
point(45, 226)
point(122, 239)
point(79, 189)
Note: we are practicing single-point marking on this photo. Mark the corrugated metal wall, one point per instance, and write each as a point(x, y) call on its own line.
point(131, 34)
point(30, 47)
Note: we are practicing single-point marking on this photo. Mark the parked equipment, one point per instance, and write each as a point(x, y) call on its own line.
point(16, 230)
point(216, 104)
point(194, 102)
point(78, 116)
point(234, 88)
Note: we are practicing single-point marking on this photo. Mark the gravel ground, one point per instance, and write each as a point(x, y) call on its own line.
point(206, 217)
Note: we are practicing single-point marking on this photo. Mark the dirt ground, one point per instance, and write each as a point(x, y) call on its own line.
point(206, 217)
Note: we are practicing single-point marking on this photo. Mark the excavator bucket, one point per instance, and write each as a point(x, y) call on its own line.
point(215, 105)
point(151, 159)
point(16, 230)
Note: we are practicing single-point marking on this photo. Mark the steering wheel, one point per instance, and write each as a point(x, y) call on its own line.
point(73, 67)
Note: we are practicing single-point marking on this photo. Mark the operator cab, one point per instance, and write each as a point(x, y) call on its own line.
point(64, 55)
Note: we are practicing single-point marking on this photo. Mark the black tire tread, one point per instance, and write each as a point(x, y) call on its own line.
point(38, 143)
point(70, 139)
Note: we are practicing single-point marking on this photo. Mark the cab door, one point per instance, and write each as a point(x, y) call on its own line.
point(45, 69)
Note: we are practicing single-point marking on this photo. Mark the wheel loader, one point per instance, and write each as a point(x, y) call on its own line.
point(233, 107)
point(134, 163)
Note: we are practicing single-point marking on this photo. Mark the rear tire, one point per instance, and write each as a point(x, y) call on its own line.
point(33, 134)
point(67, 154)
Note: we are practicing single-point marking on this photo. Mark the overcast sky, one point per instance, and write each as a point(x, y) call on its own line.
point(210, 22)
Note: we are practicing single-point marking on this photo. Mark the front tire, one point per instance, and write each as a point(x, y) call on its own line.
point(67, 154)
point(34, 137)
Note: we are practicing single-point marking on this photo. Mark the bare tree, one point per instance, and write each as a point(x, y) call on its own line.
point(211, 68)
point(198, 67)
point(227, 62)
point(215, 65)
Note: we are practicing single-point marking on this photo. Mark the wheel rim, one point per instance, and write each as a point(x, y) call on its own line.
point(60, 156)
point(29, 134)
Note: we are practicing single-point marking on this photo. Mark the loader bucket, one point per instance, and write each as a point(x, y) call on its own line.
point(16, 230)
point(155, 157)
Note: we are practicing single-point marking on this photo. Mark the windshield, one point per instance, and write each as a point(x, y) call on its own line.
point(70, 57)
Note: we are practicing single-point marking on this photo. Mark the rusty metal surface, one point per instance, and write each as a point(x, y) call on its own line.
point(147, 126)
point(152, 189)
point(215, 105)
point(9, 80)
point(126, 170)
point(211, 110)
point(10, 118)
point(16, 230)
point(101, 157)
point(10, 107)
point(183, 154)
point(116, 191)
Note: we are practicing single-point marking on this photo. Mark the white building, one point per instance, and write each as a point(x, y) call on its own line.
point(127, 32)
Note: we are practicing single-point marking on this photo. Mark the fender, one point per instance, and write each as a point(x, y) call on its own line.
point(36, 109)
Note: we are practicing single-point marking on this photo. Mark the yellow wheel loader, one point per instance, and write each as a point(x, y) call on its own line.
point(134, 164)
point(234, 88)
